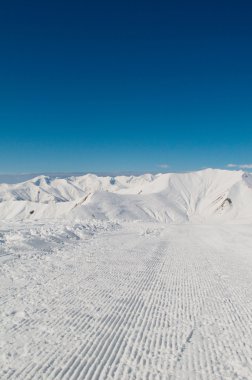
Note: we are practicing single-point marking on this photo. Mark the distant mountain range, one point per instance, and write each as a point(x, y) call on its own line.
point(206, 196)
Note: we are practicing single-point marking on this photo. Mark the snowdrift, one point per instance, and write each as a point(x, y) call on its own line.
point(206, 196)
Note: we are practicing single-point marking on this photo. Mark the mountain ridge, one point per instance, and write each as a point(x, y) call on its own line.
point(208, 195)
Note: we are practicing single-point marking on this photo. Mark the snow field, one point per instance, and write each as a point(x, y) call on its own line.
point(140, 301)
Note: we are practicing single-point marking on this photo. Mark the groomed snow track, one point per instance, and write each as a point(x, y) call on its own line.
point(148, 302)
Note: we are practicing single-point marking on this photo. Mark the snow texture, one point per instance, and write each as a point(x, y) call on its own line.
point(127, 278)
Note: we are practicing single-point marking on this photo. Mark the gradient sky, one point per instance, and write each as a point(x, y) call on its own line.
point(125, 85)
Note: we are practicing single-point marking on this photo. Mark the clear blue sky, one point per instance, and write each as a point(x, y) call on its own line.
point(125, 85)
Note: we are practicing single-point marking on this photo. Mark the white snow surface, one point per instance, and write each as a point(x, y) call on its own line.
point(128, 278)
point(206, 196)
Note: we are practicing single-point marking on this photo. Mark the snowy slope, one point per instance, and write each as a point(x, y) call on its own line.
point(209, 195)
point(144, 301)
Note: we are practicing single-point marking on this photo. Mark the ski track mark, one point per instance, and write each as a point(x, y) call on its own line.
point(128, 306)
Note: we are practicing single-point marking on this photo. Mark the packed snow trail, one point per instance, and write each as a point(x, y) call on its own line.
point(146, 301)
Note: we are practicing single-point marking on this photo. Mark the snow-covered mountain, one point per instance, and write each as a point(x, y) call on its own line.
point(209, 195)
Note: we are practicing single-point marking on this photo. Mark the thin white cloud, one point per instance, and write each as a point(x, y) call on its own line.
point(240, 166)
point(232, 165)
point(163, 166)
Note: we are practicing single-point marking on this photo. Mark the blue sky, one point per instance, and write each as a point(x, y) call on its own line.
point(125, 86)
